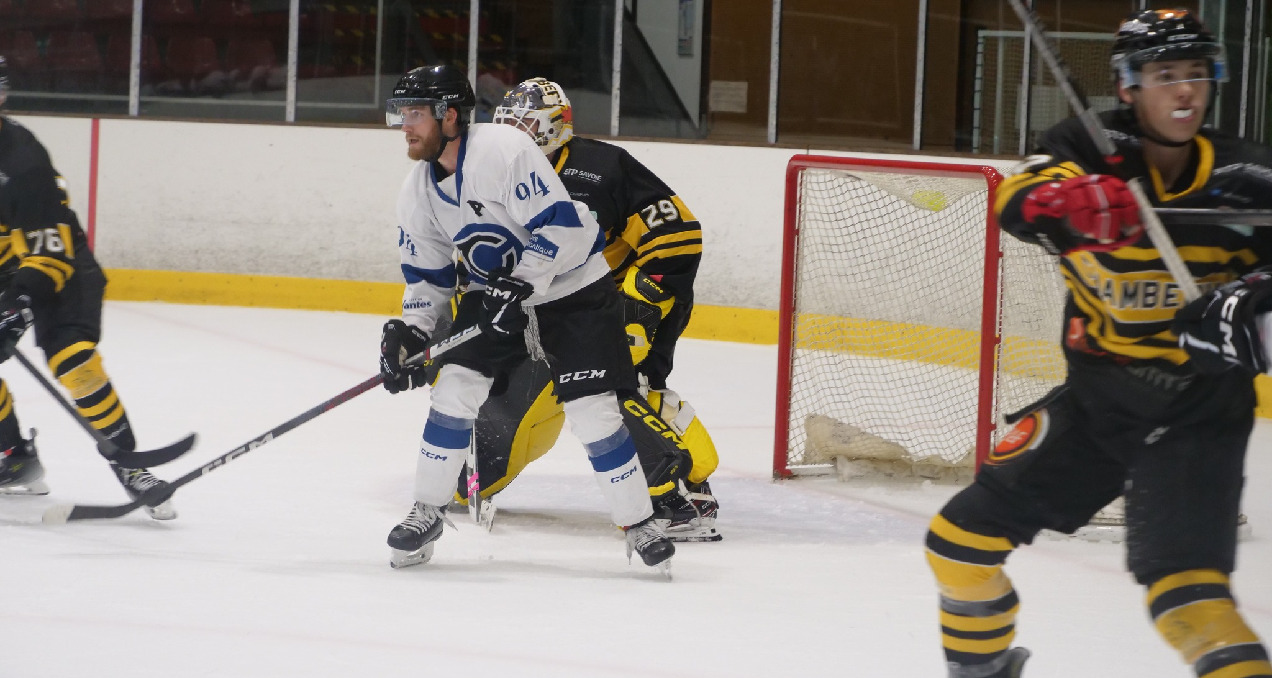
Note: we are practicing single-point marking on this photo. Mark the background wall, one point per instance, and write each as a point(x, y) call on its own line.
point(318, 202)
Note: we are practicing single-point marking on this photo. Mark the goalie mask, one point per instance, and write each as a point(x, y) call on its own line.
point(539, 108)
point(1165, 35)
point(432, 87)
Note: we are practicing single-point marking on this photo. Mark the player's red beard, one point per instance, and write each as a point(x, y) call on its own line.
point(427, 145)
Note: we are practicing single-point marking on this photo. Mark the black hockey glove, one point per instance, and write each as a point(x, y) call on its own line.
point(15, 318)
point(400, 342)
point(1219, 330)
point(501, 313)
point(645, 304)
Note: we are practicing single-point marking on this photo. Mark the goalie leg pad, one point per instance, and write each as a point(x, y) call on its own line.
point(1195, 612)
point(663, 455)
point(682, 418)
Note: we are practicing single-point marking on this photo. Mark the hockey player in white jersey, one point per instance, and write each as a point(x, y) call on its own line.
point(538, 284)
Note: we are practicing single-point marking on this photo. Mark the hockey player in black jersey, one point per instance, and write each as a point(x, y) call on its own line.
point(653, 245)
point(1141, 413)
point(49, 279)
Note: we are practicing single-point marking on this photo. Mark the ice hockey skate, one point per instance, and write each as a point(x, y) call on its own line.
point(1010, 664)
point(688, 516)
point(137, 481)
point(647, 539)
point(413, 538)
point(20, 470)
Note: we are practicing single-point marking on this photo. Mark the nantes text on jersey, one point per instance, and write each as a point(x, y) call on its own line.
point(41, 242)
point(503, 207)
point(1121, 303)
point(646, 225)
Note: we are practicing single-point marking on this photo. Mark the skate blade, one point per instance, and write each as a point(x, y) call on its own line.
point(399, 559)
point(665, 568)
point(33, 488)
point(164, 511)
point(487, 519)
point(694, 534)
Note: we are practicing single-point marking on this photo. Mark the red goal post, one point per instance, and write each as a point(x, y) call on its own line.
point(907, 325)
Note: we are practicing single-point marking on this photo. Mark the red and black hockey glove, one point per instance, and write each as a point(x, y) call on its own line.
point(1098, 211)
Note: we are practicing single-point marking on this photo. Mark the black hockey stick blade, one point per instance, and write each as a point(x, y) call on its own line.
point(106, 446)
point(63, 513)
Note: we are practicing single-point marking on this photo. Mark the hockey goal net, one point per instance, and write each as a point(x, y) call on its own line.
point(909, 327)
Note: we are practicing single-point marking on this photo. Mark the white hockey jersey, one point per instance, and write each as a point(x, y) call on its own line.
point(503, 207)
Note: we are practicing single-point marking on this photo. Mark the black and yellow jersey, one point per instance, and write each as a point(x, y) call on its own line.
point(41, 242)
point(645, 223)
point(1121, 303)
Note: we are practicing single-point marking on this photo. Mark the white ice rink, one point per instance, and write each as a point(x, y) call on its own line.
point(277, 565)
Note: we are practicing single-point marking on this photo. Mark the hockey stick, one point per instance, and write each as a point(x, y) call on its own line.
point(105, 445)
point(1217, 217)
point(62, 513)
point(1095, 129)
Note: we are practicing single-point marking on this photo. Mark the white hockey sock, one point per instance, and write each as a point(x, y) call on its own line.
point(599, 426)
point(442, 453)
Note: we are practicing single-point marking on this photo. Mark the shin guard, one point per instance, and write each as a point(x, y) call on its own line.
point(978, 603)
point(1194, 611)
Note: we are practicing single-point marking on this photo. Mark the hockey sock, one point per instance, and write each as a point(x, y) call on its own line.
point(1194, 611)
point(79, 368)
point(442, 453)
point(10, 432)
point(978, 603)
point(597, 423)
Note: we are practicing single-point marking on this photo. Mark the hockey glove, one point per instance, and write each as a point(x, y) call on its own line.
point(1098, 212)
point(15, 318)
point(645, 304)
point(501, 314)
point(1220, 330)
point(399, 342)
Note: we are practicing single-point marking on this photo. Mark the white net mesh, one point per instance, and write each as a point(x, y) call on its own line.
point(889, 296)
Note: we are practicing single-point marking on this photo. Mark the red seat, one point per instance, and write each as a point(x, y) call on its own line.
point(23, 53)
point(172, 11)
point(119, 55)
point(246, 55)
point(74, 61)
point(233, 13)
point(192, 58)
point(108, 9)
point(53, 12)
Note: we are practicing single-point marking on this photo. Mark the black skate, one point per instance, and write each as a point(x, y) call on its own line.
point(21, 471)
point(1010, 664)
point(688, 516)
point(412, 540)
point(647, 539)
point(139, 480)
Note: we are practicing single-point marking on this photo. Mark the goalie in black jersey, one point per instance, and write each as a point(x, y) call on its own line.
point(653, 244)
point(49, 279)
point(1159, 400)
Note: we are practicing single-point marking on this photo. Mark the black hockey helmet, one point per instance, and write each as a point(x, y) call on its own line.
point(1164, 35)
point(438, 87)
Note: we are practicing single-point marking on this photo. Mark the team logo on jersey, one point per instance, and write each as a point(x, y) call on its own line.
point(477, 207)
point(1022, 437)
point(488, 247)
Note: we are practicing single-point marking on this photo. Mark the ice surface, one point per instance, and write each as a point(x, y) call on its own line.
point(277, 565)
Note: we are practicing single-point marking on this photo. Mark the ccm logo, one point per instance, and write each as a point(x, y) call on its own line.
point(626, 474)
point(432, 455)
point(581, 375)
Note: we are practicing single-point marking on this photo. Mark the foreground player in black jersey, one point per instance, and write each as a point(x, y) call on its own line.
point(50, 279)
point(653, 245)
point(1139, 414)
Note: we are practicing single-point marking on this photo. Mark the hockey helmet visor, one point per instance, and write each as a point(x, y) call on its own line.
point(1165, 35)
point(411, 110)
